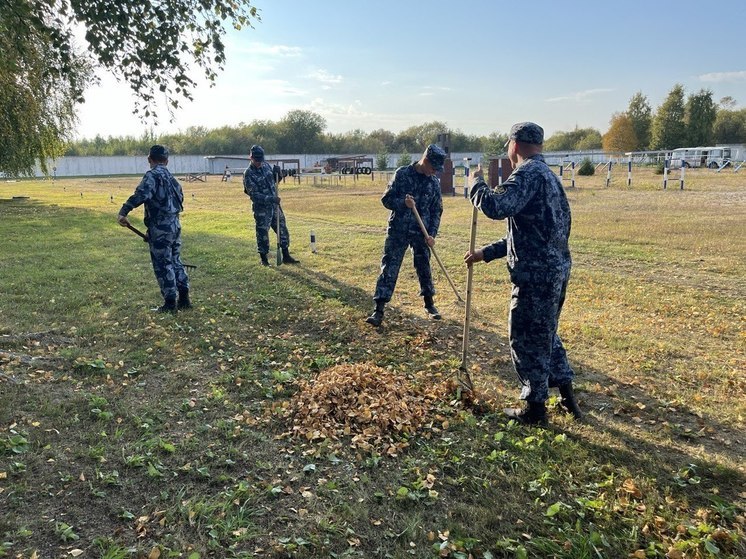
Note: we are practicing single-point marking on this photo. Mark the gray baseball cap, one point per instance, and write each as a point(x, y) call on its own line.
point(436, 155)
point(527, 133)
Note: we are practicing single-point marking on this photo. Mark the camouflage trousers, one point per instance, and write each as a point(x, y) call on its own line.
point(537, 351)
point(265, 216)
point(164, 239)
point(393, 254)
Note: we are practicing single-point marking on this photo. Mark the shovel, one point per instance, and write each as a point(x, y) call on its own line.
point(435, 254)
point(144, 237)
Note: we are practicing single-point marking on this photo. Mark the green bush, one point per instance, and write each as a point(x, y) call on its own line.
point(404, 160)
point(659, 168)
point(586, 168)
point(382, 161)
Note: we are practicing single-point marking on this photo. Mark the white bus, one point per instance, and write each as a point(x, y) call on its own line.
point(710, 157)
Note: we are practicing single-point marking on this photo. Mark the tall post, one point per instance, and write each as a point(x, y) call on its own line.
point(466, 176)
point(665, 173)
point(499, 171)
point(629, 171)
point(681, 178)
point(562, 173)
point(572, 165)
point(608, 174)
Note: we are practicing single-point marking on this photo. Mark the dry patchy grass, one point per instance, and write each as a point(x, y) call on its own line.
point(124, 434)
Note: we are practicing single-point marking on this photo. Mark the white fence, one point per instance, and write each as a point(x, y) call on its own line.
point(215, 165)
point(79, 166)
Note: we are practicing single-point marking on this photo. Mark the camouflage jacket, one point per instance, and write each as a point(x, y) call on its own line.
point(160, 192)
point(539, 220)
point(426, 193)
point(259, 184)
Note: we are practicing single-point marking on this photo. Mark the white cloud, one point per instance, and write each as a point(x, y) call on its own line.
point(278, 87)
point(264, 49)
point(430, 90)
point(385, 83)
point(325, 108)
point(723, 76)
point(324, 77)
point(343, 117)
point(579, 96)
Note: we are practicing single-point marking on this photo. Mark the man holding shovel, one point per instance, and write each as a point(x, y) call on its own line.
point(413, 186)
point(163, 198)
point(259, 185)
point(538, 258)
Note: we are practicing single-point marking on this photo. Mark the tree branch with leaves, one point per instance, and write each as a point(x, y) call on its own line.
point(150, 45)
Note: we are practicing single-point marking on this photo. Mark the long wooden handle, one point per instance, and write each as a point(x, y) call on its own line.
point(137, 232)
point(435, 254)
point(469, 278)
point(278, 256)
point(145, 238)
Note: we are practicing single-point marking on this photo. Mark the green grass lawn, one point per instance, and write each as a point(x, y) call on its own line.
point(125, 433)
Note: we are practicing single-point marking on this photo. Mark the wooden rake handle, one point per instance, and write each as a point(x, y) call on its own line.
point(144, 237)
point(435, 254)
point(467, 313)
point(136, 231)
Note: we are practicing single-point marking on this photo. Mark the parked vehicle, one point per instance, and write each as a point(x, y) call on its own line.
point(710, 157)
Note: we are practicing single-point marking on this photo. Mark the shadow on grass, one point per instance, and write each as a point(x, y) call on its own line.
point(293, 305)
point(645, 417)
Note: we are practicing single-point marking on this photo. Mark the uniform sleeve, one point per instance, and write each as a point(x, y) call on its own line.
point(253, 189)
point(512, 197)
point(393, 198)
point(436, 210)
point(498, 249)
point(143, 193)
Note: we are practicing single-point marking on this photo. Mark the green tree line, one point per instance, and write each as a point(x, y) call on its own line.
point(694, 120)
point(297, 132)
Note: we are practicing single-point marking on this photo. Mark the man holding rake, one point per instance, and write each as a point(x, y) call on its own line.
point(259, 185)
point(538, 256)
point(413, 185)
point(163, 198)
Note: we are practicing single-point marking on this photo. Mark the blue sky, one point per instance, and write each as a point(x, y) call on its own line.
point(479, 66)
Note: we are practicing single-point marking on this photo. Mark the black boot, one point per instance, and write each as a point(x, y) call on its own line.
point(263, 256)
point(286, 258)
point(184, 302)
point(168, 306)
point(568, 401)
point(535, 413)
point(377, 317)
point(431, 309)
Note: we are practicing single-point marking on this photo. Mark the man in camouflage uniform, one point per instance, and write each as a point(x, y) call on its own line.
point(538, 258)
point(259, 185)
point(415, 184)
point(163, 198)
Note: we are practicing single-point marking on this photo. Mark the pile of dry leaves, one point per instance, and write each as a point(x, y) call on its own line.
point(376, 408)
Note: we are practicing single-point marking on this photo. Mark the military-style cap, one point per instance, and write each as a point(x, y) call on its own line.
point(158, 152)
point(257, 153)
point(436, 155)
point(527, 132)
